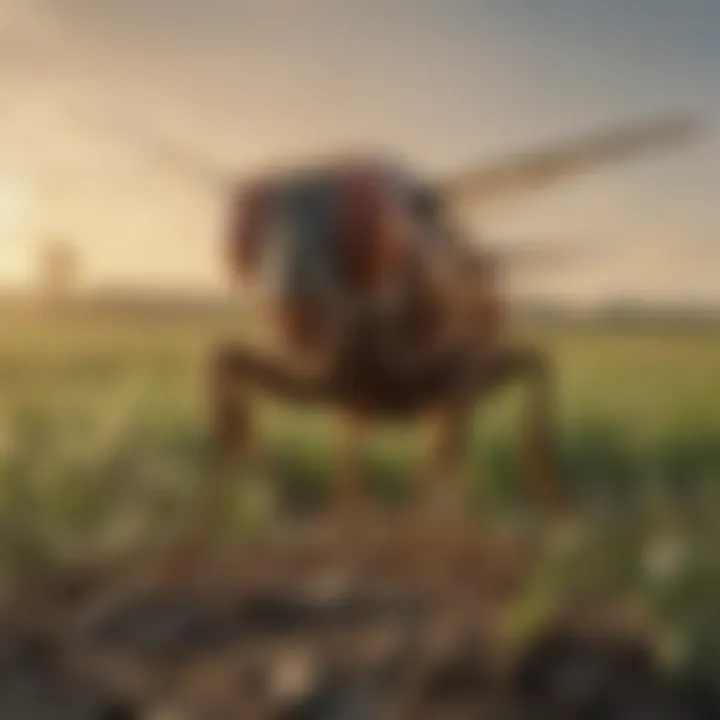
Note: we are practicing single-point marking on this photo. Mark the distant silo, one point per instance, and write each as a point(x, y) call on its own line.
point(58, 270)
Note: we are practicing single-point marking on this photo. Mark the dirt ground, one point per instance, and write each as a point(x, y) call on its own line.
point(388, 621)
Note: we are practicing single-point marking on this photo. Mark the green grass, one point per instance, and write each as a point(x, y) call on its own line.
point(117, 406)
point(103, 441)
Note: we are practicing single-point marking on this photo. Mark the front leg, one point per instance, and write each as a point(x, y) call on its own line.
point(234, 372)
point(348, 489)
point(446, 476)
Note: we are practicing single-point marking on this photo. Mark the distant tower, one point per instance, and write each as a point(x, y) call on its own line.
point(58, 266)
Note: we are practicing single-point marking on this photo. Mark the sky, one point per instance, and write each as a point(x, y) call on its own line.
point(440, 83)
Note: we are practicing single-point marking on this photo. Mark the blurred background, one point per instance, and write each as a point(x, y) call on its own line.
point(112, 288)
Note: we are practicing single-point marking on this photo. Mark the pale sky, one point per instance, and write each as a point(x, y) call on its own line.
point(439, 82)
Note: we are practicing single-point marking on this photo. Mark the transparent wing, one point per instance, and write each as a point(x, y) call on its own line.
point(535, 169)
point(172, 155)
point(539, 256)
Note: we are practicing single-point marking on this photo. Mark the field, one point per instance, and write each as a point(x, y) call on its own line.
point(103, 442)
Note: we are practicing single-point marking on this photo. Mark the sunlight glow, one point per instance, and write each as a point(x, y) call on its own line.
point(15, 221)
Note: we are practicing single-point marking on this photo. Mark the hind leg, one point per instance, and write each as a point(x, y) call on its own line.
point(539, 462)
